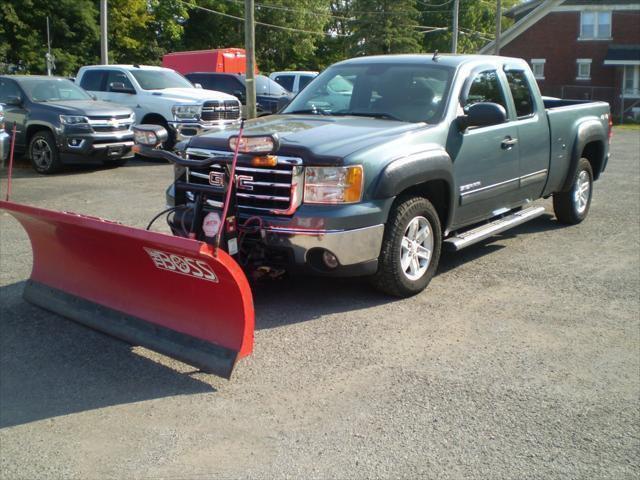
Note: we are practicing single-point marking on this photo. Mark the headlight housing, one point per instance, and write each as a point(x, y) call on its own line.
point(74, 120)
point(331, 185)
point(186, 112)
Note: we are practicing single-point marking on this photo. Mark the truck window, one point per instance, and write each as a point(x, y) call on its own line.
point(116, 76)
point(304, 81)
point(486, 88)
point(286, 81)
point(225, 83)
point(521, 92)
point(93, 80)
point(8, 89)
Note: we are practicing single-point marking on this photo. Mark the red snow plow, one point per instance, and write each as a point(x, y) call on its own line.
point(184, 297)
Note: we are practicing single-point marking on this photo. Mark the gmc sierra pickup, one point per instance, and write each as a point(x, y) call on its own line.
point(421, 152)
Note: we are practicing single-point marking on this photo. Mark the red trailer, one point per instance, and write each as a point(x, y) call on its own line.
point(227, 60)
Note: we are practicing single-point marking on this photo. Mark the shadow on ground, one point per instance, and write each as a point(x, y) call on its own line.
point(50, 366)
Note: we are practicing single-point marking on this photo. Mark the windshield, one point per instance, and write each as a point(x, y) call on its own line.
point(160, 79)
point(52, 89)
point(408, 93)
point(266, 86)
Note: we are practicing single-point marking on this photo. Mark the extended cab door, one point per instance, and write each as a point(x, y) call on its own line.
point(533, 133)
point(486, 164)
point(14, 101)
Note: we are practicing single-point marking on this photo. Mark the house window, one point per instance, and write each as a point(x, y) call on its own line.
point(584, 69)
point(632, 81)
point(537, 65)
point(595, 25)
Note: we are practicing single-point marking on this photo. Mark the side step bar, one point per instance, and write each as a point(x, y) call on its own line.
point(483, 232)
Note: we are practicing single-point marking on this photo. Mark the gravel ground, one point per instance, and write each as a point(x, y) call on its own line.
point(521, 360)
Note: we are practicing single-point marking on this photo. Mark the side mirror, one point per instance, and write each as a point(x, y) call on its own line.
point(150, 135)
point(198, 85)
point(119, 87)
point(13, 100)
point(239, 94)
point(483, 114)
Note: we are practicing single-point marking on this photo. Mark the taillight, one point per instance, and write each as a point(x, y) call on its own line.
point(610, 127)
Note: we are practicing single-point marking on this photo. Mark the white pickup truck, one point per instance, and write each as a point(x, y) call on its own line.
point(161, 96)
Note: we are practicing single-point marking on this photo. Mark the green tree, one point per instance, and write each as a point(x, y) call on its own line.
point(23, 34)
point(385, 26)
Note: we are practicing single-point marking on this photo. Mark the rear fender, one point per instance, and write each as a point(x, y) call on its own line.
point(590, 130)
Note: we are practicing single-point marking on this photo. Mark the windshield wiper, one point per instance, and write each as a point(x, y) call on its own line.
point(386, 116)
point(315, 111)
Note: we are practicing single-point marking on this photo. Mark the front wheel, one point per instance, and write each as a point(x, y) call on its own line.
point(43, 153)
point(572, 207)
point(410, 248)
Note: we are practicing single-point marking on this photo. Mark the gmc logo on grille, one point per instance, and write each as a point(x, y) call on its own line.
point(243, 182)
point(216, 179)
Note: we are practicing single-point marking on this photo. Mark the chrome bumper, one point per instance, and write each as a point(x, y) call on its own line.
point(186, 130)
point(349, 246)
point(5, 145)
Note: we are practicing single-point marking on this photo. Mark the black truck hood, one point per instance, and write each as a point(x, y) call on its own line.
point(316, 138)
point(86, 107)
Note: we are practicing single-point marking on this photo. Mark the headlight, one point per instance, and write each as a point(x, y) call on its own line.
point(73, 120)
point(258, 144)
point(333, 184)
point(186, 112)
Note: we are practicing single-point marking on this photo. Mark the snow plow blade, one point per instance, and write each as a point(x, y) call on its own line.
point(166, 293)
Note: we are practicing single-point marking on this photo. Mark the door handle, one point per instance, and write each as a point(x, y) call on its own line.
point(508, 143)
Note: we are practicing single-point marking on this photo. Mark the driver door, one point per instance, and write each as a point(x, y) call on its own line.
point(128, 99)
point(486, 163)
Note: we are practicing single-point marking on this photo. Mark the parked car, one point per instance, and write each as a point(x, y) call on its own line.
point(161, 96)
point(270, 96)
point(5, 138)
point(422, 153)
point(59, 123)
point(293, 81)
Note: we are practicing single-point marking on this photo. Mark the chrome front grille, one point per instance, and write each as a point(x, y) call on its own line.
point(110, 123)
point(277, 190)
point(215, 110)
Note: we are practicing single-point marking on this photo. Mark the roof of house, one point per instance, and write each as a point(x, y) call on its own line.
point(531, 11)
point(623, 55)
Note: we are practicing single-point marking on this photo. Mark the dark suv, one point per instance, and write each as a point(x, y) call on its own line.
point(59, 123)
point(270, 96)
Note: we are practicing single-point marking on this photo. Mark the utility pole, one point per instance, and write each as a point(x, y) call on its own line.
point(250, 48)
point(104, 45)
point(454, 38)
point(498, 27)
point(48, 57)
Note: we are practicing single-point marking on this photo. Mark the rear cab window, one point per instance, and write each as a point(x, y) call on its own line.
point(521, 93)
point(286, 81)
point(93, 80)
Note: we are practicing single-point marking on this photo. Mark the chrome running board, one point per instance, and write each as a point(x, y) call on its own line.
point(475, 235)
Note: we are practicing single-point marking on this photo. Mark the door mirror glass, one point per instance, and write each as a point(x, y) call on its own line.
point(482, 114)
point(239, 94)
point(13, 100)
point(119, 87)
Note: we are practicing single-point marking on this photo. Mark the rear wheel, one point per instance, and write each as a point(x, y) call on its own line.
point(572, 207)
point(43, 153)
point(410, 249)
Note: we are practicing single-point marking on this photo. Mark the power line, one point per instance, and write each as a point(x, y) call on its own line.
point(290, 29)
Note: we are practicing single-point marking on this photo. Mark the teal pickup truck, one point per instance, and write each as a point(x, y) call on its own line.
point(381, 162)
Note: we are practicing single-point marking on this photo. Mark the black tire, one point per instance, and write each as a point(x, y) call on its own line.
point(43, 153)
point(572, 207)
point(391, 277)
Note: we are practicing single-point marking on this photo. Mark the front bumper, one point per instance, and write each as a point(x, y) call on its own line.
point(83, 147)
point(5, 145)
point(186, 129)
